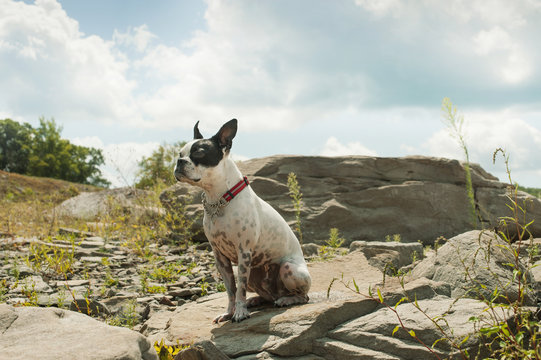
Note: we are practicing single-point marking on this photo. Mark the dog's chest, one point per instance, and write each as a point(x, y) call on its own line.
point(230, 234)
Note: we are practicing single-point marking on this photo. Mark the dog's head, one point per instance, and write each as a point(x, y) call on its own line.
point(200, 157)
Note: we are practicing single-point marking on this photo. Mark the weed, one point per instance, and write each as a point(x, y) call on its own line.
point(220, 287)
point(29, 291)
point(204, 287)
point(166, 273)
point(394, 237)
point(455, 123)
point(156, 289)
point(53, 260)
point(333, 243)
point(4, 289)
point(61, 298)
point(110, 281)
point(128, 316)
point(296, 197)
point(166, 352)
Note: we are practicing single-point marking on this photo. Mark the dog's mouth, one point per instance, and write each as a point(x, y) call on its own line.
point(183, 178)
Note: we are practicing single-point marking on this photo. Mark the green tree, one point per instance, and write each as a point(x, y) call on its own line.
point(42, 152)
point(15, 140)
point(158, 167)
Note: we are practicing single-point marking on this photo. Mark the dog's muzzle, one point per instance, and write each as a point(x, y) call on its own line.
point(180, 172)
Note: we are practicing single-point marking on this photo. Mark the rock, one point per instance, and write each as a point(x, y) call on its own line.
point(310, 249)
point(56, 334)
point(204, 350)
point(90, 205)
point(364, 196)
point(338, 327)
point(89, 307)
point(73, 232)
point(485, 256)
point(33, 283)
point(375, 331)
point(389, 255)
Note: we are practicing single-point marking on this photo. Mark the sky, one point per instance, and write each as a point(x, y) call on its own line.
point(343, 77)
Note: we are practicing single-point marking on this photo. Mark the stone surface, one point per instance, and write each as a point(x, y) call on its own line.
point(90, 205)
point(484, 255)
point(367, 198)
point(338, 327)
point(56, 334)
point(375, 330)
point(390, 255)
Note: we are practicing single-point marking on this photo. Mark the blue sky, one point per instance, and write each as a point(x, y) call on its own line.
point(303, 77)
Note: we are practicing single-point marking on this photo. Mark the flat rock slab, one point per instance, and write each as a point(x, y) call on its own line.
point(192, 322)
point(56, 334)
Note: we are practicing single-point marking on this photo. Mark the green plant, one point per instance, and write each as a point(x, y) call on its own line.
point(168, 352)
point(127, 317)
point(519, 338)
point(333, 243)
point(41, 151)
point(455, 123)
point(220, 287)
point(204, 287)
point(50, 259)
point(156, 168)
point(296, 197)
point(4, 289)
point(167, 272)
point(394, 237)
point(61, 298)
point(29, 291)
point(110, 281)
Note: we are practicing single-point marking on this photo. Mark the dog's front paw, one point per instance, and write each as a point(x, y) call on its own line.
point(241, 313)
point(222, 318)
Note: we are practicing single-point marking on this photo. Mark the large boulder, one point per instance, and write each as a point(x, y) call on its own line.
point(367, 198)
point(56, 334)
point(111, 202)
point(475, 264)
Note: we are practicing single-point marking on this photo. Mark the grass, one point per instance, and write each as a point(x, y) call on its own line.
point(455, 124)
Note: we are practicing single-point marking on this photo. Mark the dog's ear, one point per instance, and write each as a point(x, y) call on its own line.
point(226, 134)
point(196, 132)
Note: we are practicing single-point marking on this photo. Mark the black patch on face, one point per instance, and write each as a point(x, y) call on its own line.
point(206, 153)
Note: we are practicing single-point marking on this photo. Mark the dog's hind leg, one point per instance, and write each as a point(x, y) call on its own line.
point(297, 281)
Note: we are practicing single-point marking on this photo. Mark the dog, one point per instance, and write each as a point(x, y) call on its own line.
point(242, 229)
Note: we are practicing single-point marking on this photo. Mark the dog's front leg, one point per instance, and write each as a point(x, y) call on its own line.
point(241, 308)
point(226, 271)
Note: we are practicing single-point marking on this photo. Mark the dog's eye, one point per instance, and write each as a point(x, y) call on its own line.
point(198, 154)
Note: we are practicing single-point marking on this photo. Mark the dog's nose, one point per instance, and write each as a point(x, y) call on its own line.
point(179, 169)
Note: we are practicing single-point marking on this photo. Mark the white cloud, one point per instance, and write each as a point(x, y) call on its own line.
point(333, 147)
point(504, 54)
point(380, 7)
point(50, 67)
point(138, 37)
point(487, 131)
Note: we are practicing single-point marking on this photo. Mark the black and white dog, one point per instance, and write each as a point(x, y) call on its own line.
point(243, 229)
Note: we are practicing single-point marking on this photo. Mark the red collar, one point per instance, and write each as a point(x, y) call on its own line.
point(235, 190)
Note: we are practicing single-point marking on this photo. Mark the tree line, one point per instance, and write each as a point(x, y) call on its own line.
point(41, 151)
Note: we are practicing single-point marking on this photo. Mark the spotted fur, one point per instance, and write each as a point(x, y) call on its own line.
point(249, 233)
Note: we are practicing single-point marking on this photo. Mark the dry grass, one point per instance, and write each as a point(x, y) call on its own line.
point(27, 204)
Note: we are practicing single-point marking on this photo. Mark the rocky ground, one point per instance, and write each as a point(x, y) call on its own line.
point(104, 279)
point(164, 292)
point(172, 293)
